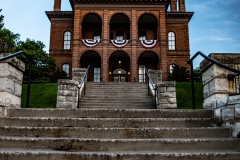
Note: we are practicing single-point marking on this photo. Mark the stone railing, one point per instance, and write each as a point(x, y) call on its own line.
point(67, 89)
point(219, 91)
point(11, 76)
point(165, 91)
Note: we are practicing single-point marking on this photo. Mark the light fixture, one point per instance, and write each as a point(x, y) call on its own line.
point(110, 73)
point(119, 71)
point(119, 62)
point(128, 73)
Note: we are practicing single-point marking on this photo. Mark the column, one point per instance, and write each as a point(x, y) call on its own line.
point(105, 46)
point(76, 39)
point(134, 58)
point(57, 5)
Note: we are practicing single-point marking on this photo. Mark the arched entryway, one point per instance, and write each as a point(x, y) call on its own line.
point(147, 27)
point(120, 27)
point(148, 59)
point(93, 59)
point(119, 67)
point(92, 27)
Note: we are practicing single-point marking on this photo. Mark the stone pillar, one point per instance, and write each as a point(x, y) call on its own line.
point(67, 89)
point(156, 75)
point(67, 94)
point(11, 76)
point(215, 79)
point(166, 95)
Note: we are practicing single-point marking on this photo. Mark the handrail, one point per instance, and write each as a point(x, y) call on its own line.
point(81, 84)
point(210, 60)
point(11, 55)
point(153, 86)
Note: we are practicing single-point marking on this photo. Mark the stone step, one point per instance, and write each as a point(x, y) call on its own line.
point(115, 133)
point(105, 122)
point(111, 113)
point(27, 154)
point(118, 145)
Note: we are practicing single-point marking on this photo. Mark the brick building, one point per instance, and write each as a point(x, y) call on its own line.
point(116, 38)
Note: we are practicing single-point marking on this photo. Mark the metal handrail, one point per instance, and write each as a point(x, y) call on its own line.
point(81, 85)
point(210, 60)
point(11, 55)
point(153, 86)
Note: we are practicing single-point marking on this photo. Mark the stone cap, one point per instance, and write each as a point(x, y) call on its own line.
point(225, 58)
point(13, 61)
point(166, 84)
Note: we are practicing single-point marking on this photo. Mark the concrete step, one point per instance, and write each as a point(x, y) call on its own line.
point(118, 145)
point(28, 154)
point(115, 133)
point(105, 122)
point(110, 113)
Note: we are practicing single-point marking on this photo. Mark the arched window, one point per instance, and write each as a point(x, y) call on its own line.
point(67, 40)
point(142, 35)
point(96, 35)
point(171, 41)
point(65, 67)
point(119, 35)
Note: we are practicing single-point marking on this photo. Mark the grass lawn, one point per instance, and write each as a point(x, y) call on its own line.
point(184, 95)
point(45, 95)
point(41, 95)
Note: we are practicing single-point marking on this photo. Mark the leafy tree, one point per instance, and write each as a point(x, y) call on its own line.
point(179, 74)
point(1, 20)
point(8, 39)
point(58, 74)
point(42, 64)
point(197, 74)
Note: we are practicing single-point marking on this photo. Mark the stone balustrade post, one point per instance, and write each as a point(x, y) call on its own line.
point(11, 77)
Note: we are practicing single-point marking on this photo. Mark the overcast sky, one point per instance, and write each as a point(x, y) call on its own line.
point(214, 28)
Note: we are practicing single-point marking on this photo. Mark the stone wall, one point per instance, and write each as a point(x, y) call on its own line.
point(11, 76)
point(165, 91)
point(215, 79)
point(227, 113)
point(67, 89)
point(166, 95)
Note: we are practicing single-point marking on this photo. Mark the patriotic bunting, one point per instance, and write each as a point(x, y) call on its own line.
point(148, 43)
point(119, 43)
point(91, 42)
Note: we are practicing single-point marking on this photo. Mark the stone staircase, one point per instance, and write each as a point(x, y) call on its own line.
point(114, 134)
point(117, 95)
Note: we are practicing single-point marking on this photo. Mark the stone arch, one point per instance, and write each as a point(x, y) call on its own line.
point(148, 22)
point(90, 23)
point(119, 61)
point(94, 59)
point(119, 22)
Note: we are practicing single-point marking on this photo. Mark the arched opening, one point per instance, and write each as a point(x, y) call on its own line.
point(119, 67)
point(148, 59)
point(93, 59)
point(119, 27)
point(149, 24)
point(92, 26)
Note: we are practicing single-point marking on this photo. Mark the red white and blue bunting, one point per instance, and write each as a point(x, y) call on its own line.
point(91, 42)
point(119, 43)
point(148, 43)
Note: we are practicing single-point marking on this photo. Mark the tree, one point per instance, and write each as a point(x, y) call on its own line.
point(197, 74)
point(42, 64)
point(179, 74)
point(8, 39)
point(1, 20)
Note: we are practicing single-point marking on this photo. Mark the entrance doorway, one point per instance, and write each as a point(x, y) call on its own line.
point(119, 75)
point(119, 67)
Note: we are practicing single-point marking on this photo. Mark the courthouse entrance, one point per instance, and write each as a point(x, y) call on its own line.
point(119, 67)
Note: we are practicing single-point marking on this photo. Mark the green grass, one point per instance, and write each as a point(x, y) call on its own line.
point(184, 95)
point(45, 95)
point(41, 95)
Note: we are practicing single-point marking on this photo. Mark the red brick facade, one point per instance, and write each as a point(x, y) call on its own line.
point(127, 20)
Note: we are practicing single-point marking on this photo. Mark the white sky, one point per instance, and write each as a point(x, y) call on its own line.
point(214, 28)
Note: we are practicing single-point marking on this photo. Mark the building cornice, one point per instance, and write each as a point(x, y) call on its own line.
point(60, 15)
point(178, 15)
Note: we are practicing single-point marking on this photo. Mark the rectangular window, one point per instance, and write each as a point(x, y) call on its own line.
point(141, 71)
point(97, 75)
